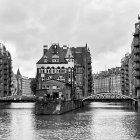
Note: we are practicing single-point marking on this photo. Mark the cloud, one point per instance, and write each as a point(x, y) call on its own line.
point(106, 26)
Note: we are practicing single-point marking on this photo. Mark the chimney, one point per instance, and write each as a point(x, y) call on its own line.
point(45, 48)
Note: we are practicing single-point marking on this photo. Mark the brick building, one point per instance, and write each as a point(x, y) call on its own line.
point(107, 81)
point(21, 85)
point(5, 71)
point(125, 74)
point(135, 58)
point(64, 68)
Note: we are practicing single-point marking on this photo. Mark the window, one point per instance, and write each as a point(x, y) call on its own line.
point(69, 75)
point(58, 70)
point(52, 70)
point(45, 60)
point(48, 78)
point(42, 70)
point(55, 60)
point(43, 87)
point(47, 87)
point(61, 78)
point(62, 70)
point(58, 78)
point(48, 70)
point(58, 87)
point(43, 78)
point(54, 87)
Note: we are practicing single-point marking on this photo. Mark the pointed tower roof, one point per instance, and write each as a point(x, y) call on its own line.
point(69, 54)
point(18, 72)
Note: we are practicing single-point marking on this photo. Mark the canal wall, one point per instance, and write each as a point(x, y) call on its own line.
point(56, 107)
point(4, 103)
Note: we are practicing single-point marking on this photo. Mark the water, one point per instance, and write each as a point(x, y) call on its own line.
point(97, 121)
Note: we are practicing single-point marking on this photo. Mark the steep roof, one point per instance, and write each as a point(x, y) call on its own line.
point(55, 51)
point(69, 54)
point(18, 72)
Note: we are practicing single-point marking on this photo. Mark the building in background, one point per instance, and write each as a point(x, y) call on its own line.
point(5, 71)
point(126, 74)
point(14, 84)
point(26, 86)
point(21, 85)
point(107, 81)
point(71, 66)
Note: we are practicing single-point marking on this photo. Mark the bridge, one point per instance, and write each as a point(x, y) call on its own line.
point(18, 99)
point(111, 97)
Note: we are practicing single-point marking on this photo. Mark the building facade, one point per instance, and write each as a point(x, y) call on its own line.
point(135, 58)
point(107, 81)
point(126, 74)
point(5, 71)
point(21, 85)
point(64, 68)
point(26, 86)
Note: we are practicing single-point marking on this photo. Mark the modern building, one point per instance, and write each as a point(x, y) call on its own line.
point(5, 71)
point(64, 68)
point(135, 58)
point(21, 85)
point(107, 81)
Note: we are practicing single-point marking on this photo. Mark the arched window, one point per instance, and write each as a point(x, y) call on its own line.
point(58, 70)
point(52, 70)
point(63, 70)
point(59, 78)
point(48, 69)
point(42, 70)
point(48, 78)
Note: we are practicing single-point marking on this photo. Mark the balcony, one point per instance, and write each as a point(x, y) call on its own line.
point(136, 42)
point(136, 58)
point(137, 73)
point(136, 51)
point(137, 84)
point(136, 33)
point(136, 66)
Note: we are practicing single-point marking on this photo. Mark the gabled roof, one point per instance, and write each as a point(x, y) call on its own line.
point(18, 72)
point(55, 56)
point(55, 51)
point(69, 54)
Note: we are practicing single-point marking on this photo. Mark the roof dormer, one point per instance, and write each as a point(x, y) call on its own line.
point(69, 57)
point(55, 58)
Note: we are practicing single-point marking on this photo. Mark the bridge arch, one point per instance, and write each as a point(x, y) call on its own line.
point(108, 96)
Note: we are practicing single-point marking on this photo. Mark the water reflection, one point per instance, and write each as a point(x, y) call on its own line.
point(97, 121)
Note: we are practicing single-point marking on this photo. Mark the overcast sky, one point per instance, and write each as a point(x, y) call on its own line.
point(105, 25)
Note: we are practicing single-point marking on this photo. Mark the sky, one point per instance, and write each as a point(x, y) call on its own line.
point(105, 25)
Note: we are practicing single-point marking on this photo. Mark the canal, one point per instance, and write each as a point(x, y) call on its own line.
point(96, 121)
